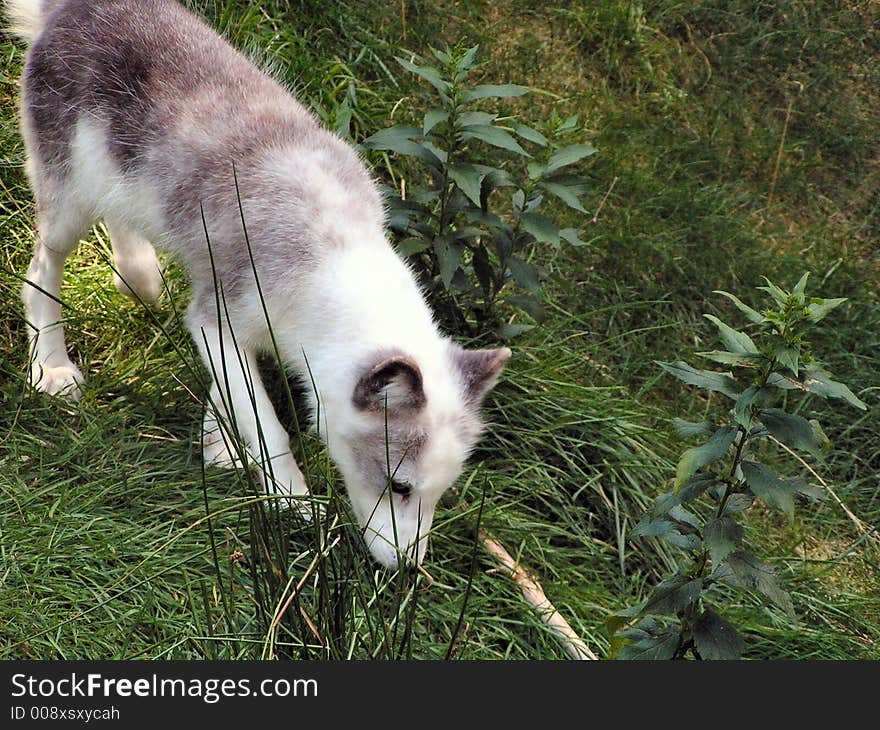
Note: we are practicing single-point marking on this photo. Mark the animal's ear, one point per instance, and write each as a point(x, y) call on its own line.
point(394, 382)
point(479, 369)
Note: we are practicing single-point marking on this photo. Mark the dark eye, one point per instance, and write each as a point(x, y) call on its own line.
point(401, 488)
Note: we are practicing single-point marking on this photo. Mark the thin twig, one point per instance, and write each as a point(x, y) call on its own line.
point(403, 18)
point(863, 529)
point(574, 645)
point(781, 149)
point(604, 198)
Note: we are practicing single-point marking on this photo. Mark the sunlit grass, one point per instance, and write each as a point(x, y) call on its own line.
point(105, 550)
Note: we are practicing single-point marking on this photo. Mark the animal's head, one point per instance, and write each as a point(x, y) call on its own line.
point(411, 427)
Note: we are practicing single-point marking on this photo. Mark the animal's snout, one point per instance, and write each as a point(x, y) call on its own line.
point(396, 530)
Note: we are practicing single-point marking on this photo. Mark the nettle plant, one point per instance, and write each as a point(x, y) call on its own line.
point(471, 228)
point(719, 479)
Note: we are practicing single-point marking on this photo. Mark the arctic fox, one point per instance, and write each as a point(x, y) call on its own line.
point(137, 113)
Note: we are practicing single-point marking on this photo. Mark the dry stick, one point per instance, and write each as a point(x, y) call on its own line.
point(781, 149)
point(595, 218)
point(866, 530)
point(403, 17)
point(575, 647)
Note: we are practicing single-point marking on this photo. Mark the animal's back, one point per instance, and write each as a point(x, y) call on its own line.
point(183, 112)
point(137, 65)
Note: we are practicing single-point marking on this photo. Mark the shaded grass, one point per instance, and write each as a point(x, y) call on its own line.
point(104, 550)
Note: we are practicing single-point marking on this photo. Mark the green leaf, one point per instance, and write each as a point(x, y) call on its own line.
point(667, 521)
point(655, 645)
point(410, 246)
point(695, 486)
point(528, 303)
point(386, 139)
point(801, 287)
point(428, 144)
point(541, 227)
point(820, 382)
point(689, 429)
point(466, 62)
point(752, 314)
point(788, 358)
point(794, 431)
point(493, 179)
point(573, 236)
point(468, 180)
point(482, 269)
point(819, 433)
point(461, 282)
point(441, 56)
point(529, 134)
point(469, 118)
point(518, 199)
point(733, 340)
point(686, 519)
point(576, 183)
point(664, 503)
point(747, 572)
point(769, 488)
point(716, 638)
point(777, 380)
point(673, 594)
point(464, 233)
point(568, 156)
point(508, 331)
point(652, 528)
point(342, 126)
point(620, 618)
point(449, 258)
point(695, 459)
point(737, 359)
point(569, 125)
point(705, 379)
point(565, 194)
point(721, 536)
point(820, 308)
point(494, 136)
point(525, 275)
point(742, 411)
point(433, 117)
point(738, 502)
point(779, 296)
point(404, 141)
point(535, 169)
point(809, 491)
point(495, 91)
point(428, 73)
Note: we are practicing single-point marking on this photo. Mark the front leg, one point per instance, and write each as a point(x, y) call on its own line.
point(240, 417)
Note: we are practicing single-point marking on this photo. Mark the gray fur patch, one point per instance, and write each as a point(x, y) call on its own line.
point(182, 110)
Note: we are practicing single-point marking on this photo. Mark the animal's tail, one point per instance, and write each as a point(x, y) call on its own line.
point(26, 18)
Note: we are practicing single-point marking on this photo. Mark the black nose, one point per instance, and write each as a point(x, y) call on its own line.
point(404, 489)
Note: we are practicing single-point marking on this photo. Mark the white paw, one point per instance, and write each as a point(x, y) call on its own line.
point(215, 452)
point(61, 380)
point(294, 492)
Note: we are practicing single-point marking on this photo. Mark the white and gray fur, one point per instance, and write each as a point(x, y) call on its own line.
point(135, 112)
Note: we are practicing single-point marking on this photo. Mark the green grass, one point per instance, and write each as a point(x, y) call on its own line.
point(105, 549)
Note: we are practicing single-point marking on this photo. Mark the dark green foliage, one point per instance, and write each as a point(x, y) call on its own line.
point(471, 228)
point(719, 482)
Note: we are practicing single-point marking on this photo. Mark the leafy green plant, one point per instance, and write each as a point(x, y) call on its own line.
point(467, 240)
point(719, 479)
